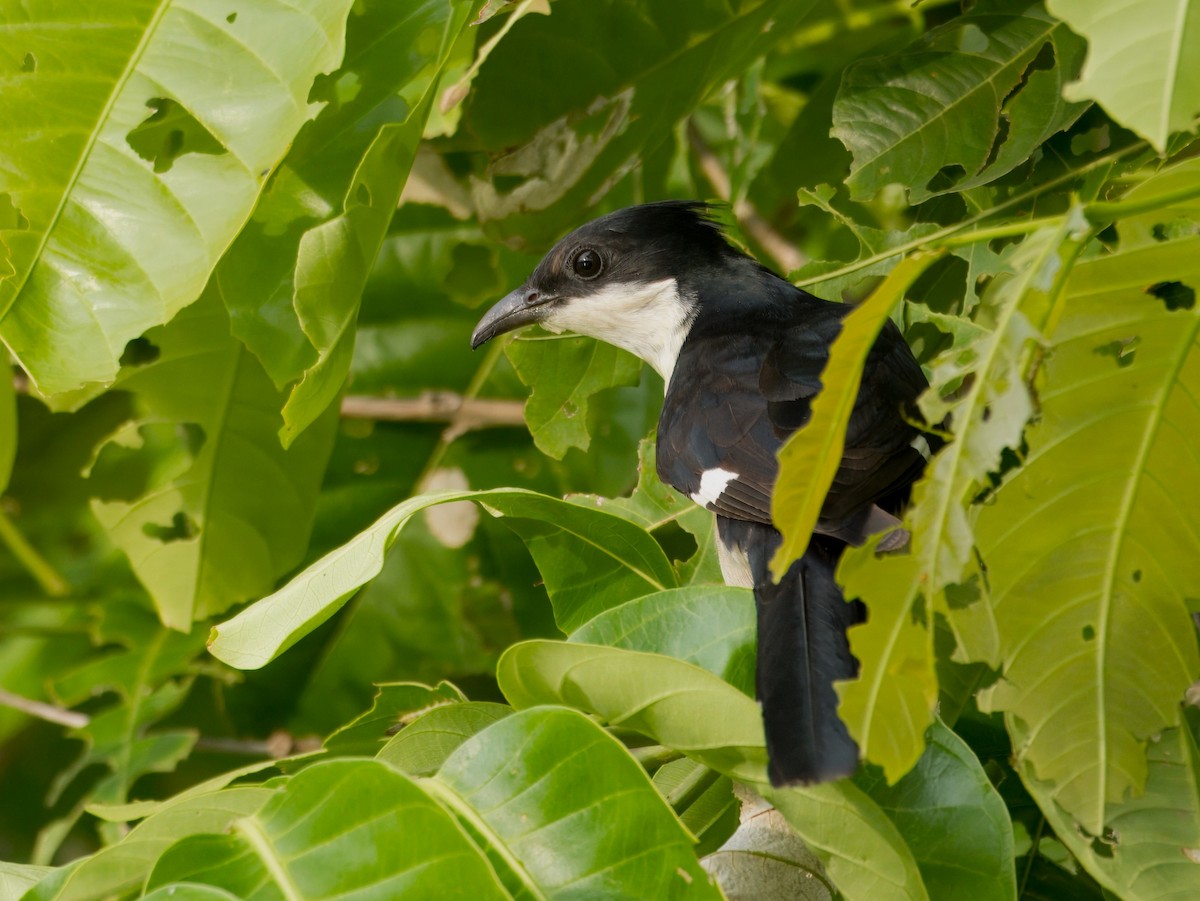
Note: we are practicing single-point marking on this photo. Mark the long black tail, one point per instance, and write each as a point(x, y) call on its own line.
point(802, 649)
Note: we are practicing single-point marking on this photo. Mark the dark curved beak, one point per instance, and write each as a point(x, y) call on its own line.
point(524, 306)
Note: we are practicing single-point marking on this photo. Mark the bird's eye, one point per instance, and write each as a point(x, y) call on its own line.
point(587, 264)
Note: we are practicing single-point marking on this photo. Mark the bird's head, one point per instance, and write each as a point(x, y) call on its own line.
point(629, 278)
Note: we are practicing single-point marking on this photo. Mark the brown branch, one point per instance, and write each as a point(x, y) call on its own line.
point(785, 256)
point(463, 414)
point(48, 712)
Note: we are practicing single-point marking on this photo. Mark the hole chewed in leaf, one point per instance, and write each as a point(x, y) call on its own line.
point(1089, 633)
point(181, 528)
point(1174, 295)
point(169, 133)
point(231, 18)
point(946, 178)
point(139, 352)
point(1120, 349)
point(29, 63)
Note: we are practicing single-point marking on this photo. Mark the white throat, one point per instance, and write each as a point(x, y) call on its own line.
point(649, 320)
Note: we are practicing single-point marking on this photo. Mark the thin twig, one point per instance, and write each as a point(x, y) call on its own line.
point(466, 413)
point(42, 711)
point(781, 251)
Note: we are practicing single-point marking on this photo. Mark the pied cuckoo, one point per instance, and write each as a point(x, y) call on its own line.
point(741, 351)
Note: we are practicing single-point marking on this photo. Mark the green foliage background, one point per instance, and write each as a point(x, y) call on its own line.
point(301, 598)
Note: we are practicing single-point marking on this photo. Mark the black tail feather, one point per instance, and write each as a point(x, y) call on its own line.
point(802, 650)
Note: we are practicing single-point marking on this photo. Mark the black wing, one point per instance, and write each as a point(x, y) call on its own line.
point(737, 393)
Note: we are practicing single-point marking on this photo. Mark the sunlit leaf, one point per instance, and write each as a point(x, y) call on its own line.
point(87, 76)
point(224, 511)
point(1100, 527)
point(1143, 62)
point(809, 460)
point(577, 550)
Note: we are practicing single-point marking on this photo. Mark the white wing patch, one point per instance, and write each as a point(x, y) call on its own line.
point(712, 485)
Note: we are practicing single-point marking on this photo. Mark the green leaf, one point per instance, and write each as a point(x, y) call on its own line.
point(293, 279)
point(1143, 62)
point(655, 695)
point(953, 820)
point(421, 747)
point(1150, 843)
point(864, 853)
point(654, 505)
point(703, 799)
point(937, 106)
point(17, 878)
point(577, 549)
point(339, 827)
point(889, 707)
point(225, 511)
point(123, 867)
point(548, 823)
point(1100, 526)
point(564, 374)
point(394, 703)
point(635, 69)
point(709, 625)
point(89, 75)
point(8, 422)
point(810, 458)
point(184, 891)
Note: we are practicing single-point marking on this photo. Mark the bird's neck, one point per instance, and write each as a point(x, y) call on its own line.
point(650, 320)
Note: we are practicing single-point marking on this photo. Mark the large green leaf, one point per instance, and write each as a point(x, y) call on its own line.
point(659, 697)
point(939, 105)
point(564, 373)
point(889, 707)
point(1143, 62)
point(422, 746)
point(1151, 842)
point(293, 279)
point(137, 139)
point(636, 68)
point(591, 560)
point(547, 823)
point(711, 626)
point(394, 703)
point(17, 878)
point(340, 827)
point(123, 867)
point(1100, 528)
point(953, 819)
point(218, 523)
point(810, 459)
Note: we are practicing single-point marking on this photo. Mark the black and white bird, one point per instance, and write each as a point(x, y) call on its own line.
point(741, 351)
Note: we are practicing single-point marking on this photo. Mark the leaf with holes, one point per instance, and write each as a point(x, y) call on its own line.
point(1100, 526)
point(1150, 846)
point(955, 100)
point(219, 510)
point(164, 121)
point(293, 279)
point(890, 705)
point(1143, 62)
point(590, 560)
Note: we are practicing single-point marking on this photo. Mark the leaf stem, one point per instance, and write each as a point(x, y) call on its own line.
point(939, 236)
point(50, 713)
point(46, 575)
point(1106, 211)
